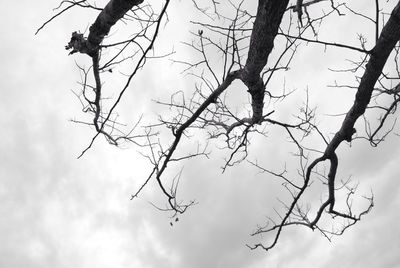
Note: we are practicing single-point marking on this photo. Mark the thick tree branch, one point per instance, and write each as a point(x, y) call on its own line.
point(390, 35)
point(244, 43)
point(386, 42)
point(266, 25)
point(112, 12)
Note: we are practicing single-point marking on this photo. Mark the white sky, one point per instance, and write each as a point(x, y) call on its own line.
point(57, 211)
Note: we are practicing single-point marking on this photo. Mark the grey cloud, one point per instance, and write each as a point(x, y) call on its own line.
point(61, 212)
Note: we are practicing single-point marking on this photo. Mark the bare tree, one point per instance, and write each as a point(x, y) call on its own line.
point(251, 49)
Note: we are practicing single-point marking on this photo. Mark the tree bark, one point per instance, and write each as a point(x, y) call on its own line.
point(268, 18)
point(390, 35)
point(113, 11)
point(266, 25)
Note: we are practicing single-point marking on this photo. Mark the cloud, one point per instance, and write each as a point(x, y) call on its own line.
point(61, 212)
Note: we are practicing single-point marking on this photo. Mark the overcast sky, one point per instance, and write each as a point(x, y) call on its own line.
point(57, 211)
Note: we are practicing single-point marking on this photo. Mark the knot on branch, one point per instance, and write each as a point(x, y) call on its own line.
point(77, 44)
point(257, 92)
point(348, 135)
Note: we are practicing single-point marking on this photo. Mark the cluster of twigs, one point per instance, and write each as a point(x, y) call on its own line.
point(243, 42)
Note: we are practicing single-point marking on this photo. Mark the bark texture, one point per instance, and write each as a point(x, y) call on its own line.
point(266, 25)
point(113, 12)
point(268, 18)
